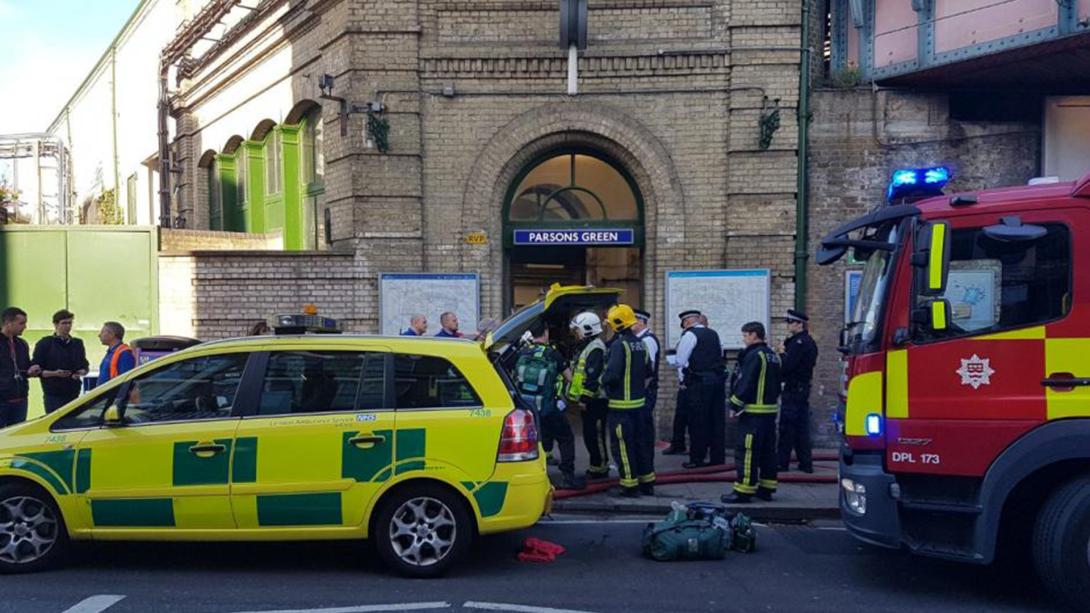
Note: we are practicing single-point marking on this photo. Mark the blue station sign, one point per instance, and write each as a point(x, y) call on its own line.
point(588, 237)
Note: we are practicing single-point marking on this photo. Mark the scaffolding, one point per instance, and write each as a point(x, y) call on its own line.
point(34, 167)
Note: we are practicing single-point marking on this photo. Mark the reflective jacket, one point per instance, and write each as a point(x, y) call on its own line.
point(628, 364)
point(755, 387)
point(586, 381)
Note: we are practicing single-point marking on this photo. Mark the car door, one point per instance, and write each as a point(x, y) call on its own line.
point(959, 396)
point(320, 442)
point(166, 464)
point(449, 420)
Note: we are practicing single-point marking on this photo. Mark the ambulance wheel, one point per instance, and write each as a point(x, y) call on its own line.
point(32, 532)
point(1061, 544)
point(421, 530)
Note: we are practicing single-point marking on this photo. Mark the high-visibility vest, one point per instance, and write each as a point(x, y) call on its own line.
point(116, 357)
point(579, 377)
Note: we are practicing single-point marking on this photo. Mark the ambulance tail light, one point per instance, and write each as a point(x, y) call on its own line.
point(519, 438)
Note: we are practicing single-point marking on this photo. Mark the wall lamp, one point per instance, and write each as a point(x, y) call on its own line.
point(377, 127)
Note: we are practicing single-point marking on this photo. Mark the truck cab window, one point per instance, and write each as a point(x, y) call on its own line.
point(997, 285)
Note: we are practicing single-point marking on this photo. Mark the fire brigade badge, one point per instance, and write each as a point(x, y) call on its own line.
point(976, 371)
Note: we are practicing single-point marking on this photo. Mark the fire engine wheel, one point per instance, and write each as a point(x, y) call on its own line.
point(1061, 544)
point(422, 530)
point(32, 532)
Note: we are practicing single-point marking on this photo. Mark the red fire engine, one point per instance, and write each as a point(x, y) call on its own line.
point(966, 418)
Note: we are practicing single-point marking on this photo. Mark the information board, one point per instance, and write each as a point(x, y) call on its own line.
point(852, 281)
point(729, 298)
point(401, 295)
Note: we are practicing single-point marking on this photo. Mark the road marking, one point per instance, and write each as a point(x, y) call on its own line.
point(516, 608)
point(94, 604)
point(833, 528)
point(371, 608)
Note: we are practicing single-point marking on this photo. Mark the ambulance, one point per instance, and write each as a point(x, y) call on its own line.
point(966, 418)
point(417, 444)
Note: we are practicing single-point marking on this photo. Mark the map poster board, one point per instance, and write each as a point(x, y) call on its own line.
point(729, 298)
point(853, 279)
point(403, 294)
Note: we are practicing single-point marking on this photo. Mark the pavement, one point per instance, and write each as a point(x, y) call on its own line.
point(793, 502)
point(796, 569)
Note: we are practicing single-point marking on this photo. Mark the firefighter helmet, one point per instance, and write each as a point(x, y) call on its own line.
point(620, 317)
point(588, 324)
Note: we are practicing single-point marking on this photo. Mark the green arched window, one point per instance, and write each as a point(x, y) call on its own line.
point(571, 189)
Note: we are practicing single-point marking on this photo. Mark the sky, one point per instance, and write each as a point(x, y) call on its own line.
point(47, 48)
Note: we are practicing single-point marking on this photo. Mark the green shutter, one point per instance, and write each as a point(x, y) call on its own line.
point(295, 238)
point(255, 185)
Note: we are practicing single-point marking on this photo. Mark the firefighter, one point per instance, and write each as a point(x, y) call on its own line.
point(625, 382)
point(755, 388)
point(586, 389)
point(647, 415)
point(700, 370)
point(797, 361)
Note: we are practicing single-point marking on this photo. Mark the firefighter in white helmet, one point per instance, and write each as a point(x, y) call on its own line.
point(586, 389)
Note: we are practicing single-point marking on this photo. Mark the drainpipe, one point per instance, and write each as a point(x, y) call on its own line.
point(113, 125)
point(802, 221)
point(164, 148)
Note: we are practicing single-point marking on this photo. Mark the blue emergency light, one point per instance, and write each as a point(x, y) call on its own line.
point(874, 424)
point(917, 182)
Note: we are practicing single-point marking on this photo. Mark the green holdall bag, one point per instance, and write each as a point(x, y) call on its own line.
point(680, 537)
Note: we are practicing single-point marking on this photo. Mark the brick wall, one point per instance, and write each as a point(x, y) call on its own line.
point(171, 239)
point(673, 90)
point(213, 295)
point(857, 139)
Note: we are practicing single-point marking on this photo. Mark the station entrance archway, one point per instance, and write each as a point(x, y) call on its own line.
point(572, 216)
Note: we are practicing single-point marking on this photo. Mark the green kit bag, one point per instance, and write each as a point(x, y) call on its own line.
point(680, 537)
point(698, 531)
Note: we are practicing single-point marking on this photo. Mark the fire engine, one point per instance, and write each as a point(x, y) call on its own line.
point(966, 413)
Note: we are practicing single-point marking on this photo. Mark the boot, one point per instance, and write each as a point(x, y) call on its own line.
point(597, 476)
point(625, 492)
point(764, 494)
point(568, 482)
point(736, 498)
point(647, 489)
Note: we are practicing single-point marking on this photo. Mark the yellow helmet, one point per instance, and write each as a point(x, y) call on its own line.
point(620, 317)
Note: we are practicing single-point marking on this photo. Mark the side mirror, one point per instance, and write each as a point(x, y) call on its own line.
point(935, 314)
point(1012, 230)
point(932, 256)
point(112, 418)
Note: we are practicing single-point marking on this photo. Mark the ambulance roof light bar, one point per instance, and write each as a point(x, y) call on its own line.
point(307, 322)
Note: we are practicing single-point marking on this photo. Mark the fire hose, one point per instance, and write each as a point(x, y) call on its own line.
point(721, 473)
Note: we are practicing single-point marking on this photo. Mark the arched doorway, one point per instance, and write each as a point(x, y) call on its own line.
point(572, 216)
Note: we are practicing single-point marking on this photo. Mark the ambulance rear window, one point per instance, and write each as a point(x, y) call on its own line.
point(423, 382)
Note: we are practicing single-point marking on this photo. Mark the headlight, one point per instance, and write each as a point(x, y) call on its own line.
point(855, 494)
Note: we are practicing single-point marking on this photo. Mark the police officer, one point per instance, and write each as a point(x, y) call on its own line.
point(586, 388)
point(797, 361)
point(700, 370)
point(647, 415)
point(625, 380)
point(755, 388)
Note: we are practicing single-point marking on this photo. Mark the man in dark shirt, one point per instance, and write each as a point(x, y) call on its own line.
point(15, 367)
point(63, 360)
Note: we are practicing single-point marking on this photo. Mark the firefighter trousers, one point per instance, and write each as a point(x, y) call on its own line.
point(633, 461)
point(594, 435)
point(707, 419)
point(755, 453)
point(795, 432)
